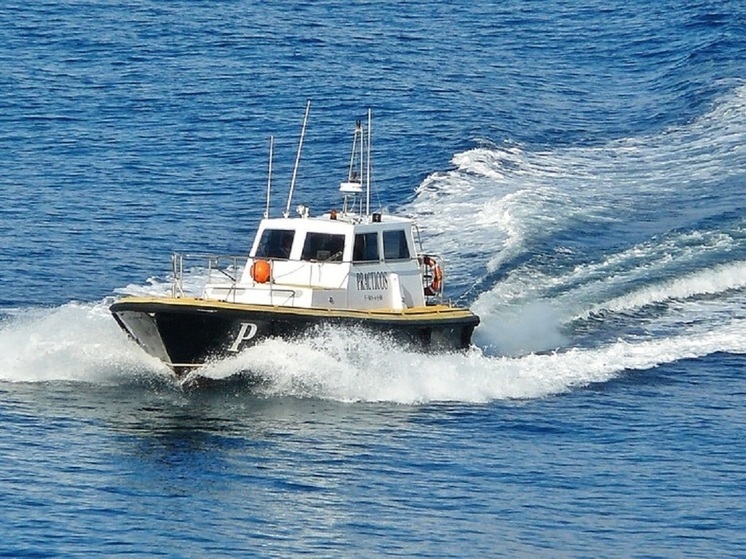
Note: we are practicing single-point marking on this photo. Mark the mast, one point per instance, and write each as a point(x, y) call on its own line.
point(269, 174)
point(352, 173)
point(353, 186)
point(367, 180)
point(297, 160)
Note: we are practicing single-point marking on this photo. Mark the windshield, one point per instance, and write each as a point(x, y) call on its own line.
point(275, 243)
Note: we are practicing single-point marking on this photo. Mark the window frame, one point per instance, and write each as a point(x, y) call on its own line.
point(272, 243)
point(375, 244)
point(334, 243)
point(401, 242)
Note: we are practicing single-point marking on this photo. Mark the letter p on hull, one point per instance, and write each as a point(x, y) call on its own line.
point(247, 331)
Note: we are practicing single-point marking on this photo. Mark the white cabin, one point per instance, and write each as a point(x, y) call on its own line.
point(335, 261)
point(352, 259)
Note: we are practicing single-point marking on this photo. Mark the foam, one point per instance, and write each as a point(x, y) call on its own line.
point(81, 343)
point(594, 287)
point(500, 200)
point(720, 279)
point(192, 283)
point(502, 208)
point(74, 342)
point(534, 313)
point(338, 366)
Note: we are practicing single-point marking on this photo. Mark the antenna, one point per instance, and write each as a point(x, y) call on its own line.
point(269, 174)
point(361, 161)
point(352, 174)
point(356, 174)
point(297, 160)
point(367, 183)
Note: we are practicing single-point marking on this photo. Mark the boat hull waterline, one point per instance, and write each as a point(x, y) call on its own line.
point(187, 332)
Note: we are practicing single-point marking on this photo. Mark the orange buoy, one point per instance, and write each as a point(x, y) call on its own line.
point(261, 271)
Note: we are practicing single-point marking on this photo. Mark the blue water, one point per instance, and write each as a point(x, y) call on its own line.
point(580, 166)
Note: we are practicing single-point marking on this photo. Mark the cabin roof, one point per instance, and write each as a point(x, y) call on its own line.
point(342, 223)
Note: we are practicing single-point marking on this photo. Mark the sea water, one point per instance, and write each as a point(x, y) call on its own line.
point(581, 168)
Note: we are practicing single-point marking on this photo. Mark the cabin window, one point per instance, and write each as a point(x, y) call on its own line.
point(275, 243)
point(395, 245)
point(323, 247)
point(366, 247)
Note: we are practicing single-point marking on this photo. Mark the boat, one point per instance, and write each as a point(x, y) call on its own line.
point(348, 268)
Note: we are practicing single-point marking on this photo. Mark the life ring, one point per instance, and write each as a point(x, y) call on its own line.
point(434, 271)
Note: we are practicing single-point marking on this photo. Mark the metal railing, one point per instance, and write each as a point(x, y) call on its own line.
point(226, 269)
point(220, 266)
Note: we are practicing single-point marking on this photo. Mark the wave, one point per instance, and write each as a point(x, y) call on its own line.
point(77, 342)
point(504, 202)
point(530, 312)
point(578, 246)
point(367, 374)
point(81, 343)
point(721, 279)
point(583, 263)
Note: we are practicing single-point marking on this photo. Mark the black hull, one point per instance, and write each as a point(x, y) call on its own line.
point(188, 333)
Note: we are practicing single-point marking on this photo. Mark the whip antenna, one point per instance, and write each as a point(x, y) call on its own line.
point(269, 175)
point(367, 182)
point(297, 160)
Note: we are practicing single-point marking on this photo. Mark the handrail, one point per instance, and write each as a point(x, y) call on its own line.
point(227, 265)
point(225, 270)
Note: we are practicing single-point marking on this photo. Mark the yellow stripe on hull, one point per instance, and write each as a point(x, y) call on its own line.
point(433, 312)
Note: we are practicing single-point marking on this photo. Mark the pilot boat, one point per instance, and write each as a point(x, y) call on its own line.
point(348, 268)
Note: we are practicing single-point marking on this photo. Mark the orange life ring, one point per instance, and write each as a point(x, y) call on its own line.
point(433, 288)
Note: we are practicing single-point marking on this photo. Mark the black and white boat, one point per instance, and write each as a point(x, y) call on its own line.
point(351, 268)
